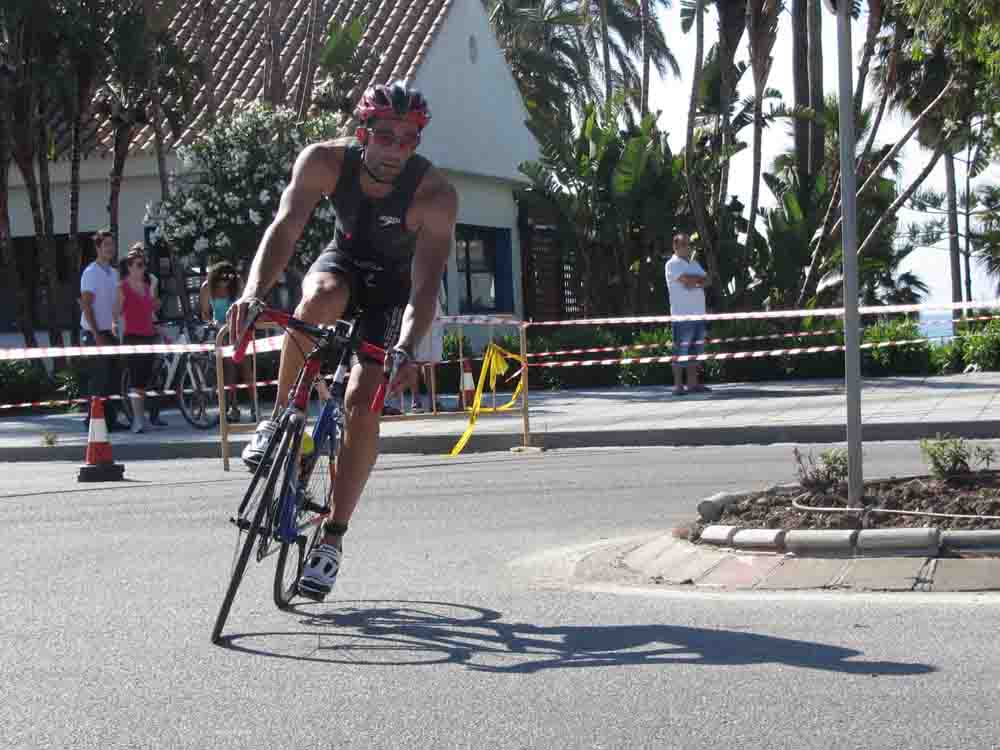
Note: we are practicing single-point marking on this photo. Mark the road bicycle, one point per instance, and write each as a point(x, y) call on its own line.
point(291, 492)
point(190, 374)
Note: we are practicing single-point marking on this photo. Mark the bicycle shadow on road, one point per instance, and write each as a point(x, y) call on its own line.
point(400, 633)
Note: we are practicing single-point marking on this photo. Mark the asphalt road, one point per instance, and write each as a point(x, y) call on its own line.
point(441, 634)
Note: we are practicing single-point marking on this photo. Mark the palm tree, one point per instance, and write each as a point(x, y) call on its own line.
point(31, 37)
point(147, 72)
point(712, 102)
point(540, 41)
point(910, 85)
point(695, 186)
point(612, 32)
point(650, 39)
point(24, 313)
point(84, 64)
point(762, 30)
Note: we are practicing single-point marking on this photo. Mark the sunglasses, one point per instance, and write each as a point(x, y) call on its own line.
point(386, 138)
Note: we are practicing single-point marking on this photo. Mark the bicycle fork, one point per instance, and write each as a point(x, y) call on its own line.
point(326, 436)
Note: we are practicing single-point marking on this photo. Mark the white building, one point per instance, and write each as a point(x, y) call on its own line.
point(444, 47)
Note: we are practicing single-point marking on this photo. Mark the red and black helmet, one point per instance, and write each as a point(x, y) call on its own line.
point(395, 101)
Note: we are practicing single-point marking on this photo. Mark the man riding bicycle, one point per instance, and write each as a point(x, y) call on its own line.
point(395, 222)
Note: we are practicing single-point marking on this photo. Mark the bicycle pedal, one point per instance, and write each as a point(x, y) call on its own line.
point(243, 524)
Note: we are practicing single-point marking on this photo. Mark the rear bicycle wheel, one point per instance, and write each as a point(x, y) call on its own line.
point(250, 518)
point(126, 386)
point(198, 394)
point(309, 518)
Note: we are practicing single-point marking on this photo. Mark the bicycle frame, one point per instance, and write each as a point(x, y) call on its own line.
point(329, 427)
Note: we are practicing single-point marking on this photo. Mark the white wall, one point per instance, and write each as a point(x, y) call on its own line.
point(486, 203)
point(140, 186)
point(477, 123)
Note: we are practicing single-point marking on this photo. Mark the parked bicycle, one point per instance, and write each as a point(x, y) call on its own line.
point(190, 374)
point(291, 493)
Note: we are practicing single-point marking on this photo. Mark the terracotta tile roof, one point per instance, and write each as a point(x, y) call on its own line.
point(396, 40)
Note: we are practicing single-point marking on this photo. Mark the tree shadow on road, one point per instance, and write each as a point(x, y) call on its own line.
point(418, 633)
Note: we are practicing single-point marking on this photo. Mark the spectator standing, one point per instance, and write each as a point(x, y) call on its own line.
point(686, 282)
point(100, 304)
point(428, 353)
point(138, 306)
point(221, 288)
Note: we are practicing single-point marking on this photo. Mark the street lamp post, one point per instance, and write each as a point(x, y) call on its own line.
point(849, 239)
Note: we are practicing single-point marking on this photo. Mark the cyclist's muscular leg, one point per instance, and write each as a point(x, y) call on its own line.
point(360, 446)
point(324, 300)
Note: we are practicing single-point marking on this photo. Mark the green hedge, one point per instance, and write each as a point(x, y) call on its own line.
point(25, 380)
point(981, 347)
point(911, 359)
point(573, 337)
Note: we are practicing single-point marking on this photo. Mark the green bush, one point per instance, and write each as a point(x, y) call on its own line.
point(654, 373)
point(982, 348)
point(947, 358)
point(69, 383)
point(828, 472)
point(747, 369)
point(449, 376)
point(819, 364)
point(946, 456)
point(24, 380)
point(573, 337)
point(910, 359)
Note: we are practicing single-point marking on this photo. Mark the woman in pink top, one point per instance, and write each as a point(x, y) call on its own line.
point(139, 305)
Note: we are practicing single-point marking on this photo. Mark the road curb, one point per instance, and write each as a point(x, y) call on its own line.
point(770, 540)
point(502, 442)
point(978, 540)
point(721, 536)
point(820, 542)
point(908, 542)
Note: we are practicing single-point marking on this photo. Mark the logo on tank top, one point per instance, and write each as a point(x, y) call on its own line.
point(388, 221)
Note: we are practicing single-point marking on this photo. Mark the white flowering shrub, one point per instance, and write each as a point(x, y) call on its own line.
point(232, 179)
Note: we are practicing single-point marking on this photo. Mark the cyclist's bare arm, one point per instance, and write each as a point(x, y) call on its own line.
point(437, 210)
point(314, 174)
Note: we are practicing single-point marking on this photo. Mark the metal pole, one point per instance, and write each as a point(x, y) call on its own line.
point(848, 188)
point(525, 424)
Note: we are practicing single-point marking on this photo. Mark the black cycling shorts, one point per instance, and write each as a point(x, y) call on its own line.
point(377, 296)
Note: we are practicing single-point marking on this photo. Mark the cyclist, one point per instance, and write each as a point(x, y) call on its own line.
point(395, 222)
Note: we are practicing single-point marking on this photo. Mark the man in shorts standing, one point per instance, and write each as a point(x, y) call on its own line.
point(686, 282)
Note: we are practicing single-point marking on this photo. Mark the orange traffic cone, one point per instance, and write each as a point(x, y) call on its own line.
point(100, 466)
point(468, 385)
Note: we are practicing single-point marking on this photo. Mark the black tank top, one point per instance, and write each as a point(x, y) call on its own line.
point(374, 229)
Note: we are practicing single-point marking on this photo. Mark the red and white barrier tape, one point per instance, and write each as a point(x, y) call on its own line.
point(816, 313)
point(721, 355)
point(639, 347)
point(268, 344)
point(119, 397)
point(477, 320)
point(735, 339)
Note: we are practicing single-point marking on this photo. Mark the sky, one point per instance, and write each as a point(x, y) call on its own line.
point(930, 264)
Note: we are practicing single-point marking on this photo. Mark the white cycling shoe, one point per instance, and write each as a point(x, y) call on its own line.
point(320, 572)
point(254, 451)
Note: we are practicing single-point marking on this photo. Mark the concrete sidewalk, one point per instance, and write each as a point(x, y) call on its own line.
point(791, 411)
point(663, 560)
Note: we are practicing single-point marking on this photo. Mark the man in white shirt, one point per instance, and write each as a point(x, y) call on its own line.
point(686, 282)
point(100, 303)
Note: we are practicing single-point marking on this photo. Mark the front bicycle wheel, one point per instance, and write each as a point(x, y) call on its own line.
point(198, 394)
point(312, 511)
point(250, 517)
